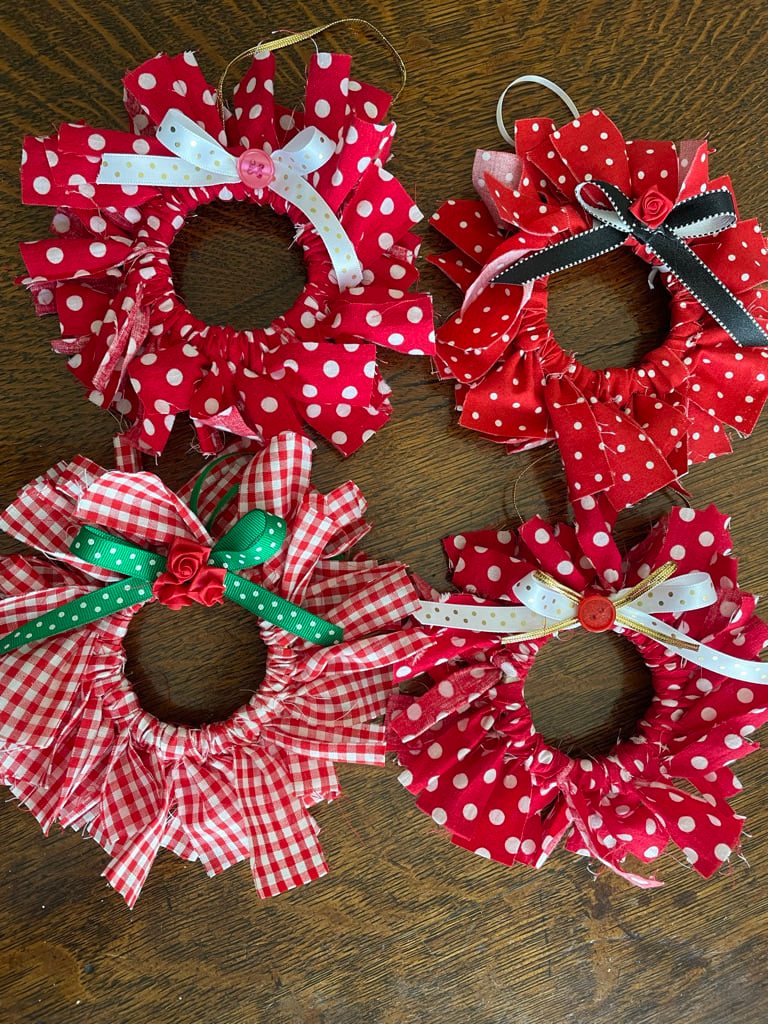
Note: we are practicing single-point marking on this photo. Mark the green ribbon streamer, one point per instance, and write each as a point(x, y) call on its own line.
point(254, 539)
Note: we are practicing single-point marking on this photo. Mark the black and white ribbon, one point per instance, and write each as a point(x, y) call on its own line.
point(705, 214)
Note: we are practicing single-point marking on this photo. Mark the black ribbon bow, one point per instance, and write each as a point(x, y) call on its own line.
point(707, 213)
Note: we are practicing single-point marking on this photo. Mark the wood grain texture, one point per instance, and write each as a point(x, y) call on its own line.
point(406, 928)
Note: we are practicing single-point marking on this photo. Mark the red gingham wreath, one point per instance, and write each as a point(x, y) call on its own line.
point(129, 336)
point(77, 748)
point(624, 432)
point(479, 766)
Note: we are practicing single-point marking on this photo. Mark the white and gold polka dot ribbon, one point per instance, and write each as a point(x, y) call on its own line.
point(548, 607)
point(197, 160)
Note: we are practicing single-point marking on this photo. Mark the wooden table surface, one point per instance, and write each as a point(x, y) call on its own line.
point(406, 929)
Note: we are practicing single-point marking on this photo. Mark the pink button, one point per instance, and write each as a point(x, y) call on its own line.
point(255, 168)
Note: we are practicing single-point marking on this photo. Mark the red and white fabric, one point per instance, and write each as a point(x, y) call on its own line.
point(77, 748)
point(624, 432)
point(473, 756)
point(129, 337)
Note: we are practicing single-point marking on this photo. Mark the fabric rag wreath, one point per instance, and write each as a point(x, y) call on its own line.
point(77, 748)
point(471, 751)
point(565, 196)
point(121, 198)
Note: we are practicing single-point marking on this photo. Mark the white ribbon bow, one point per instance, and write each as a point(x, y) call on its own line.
point(549, 607)
point(198, 160)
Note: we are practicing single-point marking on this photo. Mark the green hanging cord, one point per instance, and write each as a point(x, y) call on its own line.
point(198, 486)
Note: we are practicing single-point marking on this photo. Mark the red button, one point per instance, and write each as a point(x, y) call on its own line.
point(596, 613)
point(255, 168)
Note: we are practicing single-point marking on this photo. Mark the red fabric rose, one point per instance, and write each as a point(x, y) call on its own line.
point(652, 207)
point(188, 578)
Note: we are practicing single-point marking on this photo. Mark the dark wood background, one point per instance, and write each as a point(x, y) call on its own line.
point(406, 929)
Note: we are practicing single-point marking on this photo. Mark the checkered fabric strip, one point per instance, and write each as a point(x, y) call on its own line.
point(210, 813)
point(315, 527)
point(285, 852)
point(76, 747)
point(362, 744)
point(127, 458)
point(367, 598)
point(39, 686)
point(44, 513)
point(215, 486)
point(313, 780)
point(128, 870)
point(279, 477)
point(20, 575)
point(139, 506)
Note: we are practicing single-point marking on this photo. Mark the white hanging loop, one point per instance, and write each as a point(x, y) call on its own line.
point(535, 80)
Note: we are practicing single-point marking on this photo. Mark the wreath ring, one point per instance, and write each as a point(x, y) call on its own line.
point(121, 197)
point(76, 747)
point(564, 196)
point(469, 747)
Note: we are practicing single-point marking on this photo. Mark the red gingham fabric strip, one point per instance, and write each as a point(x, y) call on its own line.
point(77, 748)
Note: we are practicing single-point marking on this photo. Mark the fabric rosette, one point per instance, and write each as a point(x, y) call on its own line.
point(105, 273)
point(624, 432)
point(470, 749)
point(77, 748)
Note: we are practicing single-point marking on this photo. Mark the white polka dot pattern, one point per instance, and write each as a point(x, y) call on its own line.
point(523, 795)
point(254, 383)
point(624, 433)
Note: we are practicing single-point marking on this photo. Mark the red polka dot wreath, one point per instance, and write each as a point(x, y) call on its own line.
point(129, 336)
point(472, 753)
point(77, 748)
point(622, 432)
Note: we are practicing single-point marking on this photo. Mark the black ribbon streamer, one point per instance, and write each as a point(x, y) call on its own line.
point(707, 213)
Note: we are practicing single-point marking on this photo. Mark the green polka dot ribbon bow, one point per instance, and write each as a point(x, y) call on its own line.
point(190, 573)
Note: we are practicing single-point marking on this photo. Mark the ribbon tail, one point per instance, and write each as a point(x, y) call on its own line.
point(569, 252)
point(98, 604)
point(281, 613)
point(692, 273)
point(705, 657)
point(297, 191)
point(129, 169)
point(499, 619)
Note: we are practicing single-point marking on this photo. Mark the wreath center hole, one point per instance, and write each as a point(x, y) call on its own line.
point(605, 311)
point(588, 691)
point(196, 665)
point(236, 263)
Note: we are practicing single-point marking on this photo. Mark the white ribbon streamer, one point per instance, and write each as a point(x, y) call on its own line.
point(535, 80)
point(543, 607)
point(198, 160)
